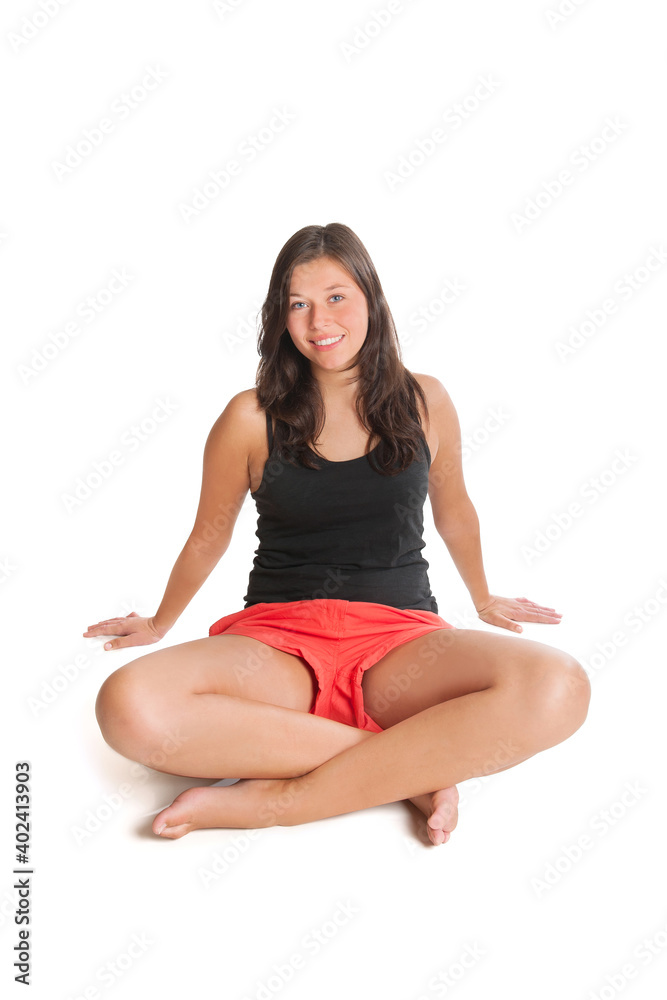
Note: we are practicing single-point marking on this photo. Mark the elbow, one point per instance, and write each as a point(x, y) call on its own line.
point(462, 517)
point(209, 543)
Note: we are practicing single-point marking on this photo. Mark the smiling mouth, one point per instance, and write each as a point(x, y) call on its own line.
point(327, 340)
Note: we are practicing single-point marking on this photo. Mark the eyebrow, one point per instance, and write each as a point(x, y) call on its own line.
point(329, 288)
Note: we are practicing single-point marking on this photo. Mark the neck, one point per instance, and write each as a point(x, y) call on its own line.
point(337, 387)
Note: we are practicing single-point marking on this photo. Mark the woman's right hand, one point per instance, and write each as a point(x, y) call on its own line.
point(135, 631)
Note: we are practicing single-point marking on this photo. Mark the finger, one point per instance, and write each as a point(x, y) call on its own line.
point(115, 628)
point(543, 615)
point(103, 630)
point(502, 621)
point(543, 607)
point(128, 640)
point(528, 615)
point(97, 629)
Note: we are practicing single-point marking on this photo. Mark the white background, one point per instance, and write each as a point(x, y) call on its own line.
point(361, 97)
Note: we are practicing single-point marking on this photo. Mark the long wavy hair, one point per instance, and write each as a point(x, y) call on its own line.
point(386, 401)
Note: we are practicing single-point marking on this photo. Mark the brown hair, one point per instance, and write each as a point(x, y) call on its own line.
point(386, 401)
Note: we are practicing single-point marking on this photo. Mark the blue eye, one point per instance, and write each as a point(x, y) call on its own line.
point(336, 295)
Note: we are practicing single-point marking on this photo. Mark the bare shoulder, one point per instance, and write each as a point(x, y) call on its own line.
point(443, 423)
point(438, 400)
point(246, 402)
point(242, 417)
point(434, 390)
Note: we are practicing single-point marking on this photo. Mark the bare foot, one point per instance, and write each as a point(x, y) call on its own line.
point(441, 811)
point(254, 803)
point(250, 803)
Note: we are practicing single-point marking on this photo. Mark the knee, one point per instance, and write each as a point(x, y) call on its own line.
point(560, 693)
point(555, 694)
point(123, 712)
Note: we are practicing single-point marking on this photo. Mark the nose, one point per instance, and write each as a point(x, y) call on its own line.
point(318, 318)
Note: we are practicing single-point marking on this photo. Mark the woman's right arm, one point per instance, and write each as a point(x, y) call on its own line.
point(225, 483)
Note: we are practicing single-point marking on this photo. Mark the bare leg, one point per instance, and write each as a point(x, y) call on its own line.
point(224, 706)
point(227, 706)
point(536, 697)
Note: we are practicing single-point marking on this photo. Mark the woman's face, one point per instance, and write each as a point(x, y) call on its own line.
point(326, 304)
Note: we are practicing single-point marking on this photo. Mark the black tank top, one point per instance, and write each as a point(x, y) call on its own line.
point(341, 531)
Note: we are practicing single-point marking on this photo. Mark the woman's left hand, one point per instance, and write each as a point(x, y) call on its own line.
point(505, 611)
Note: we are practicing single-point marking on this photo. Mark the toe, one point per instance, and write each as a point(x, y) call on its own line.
point(174, 832)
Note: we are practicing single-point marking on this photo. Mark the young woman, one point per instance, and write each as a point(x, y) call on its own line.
point(338, 686)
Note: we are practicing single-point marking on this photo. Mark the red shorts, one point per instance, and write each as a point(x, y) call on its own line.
point(338, 639)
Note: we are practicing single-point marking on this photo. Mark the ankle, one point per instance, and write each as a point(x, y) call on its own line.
point(278, 808)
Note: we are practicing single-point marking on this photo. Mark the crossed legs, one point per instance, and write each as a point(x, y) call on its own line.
point(484, 703)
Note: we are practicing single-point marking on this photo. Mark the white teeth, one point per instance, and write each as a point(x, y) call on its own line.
point(331, 340)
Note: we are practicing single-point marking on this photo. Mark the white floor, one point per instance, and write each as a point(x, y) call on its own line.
point(551, 880)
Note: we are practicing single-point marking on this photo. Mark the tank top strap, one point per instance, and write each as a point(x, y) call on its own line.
point(269, 431)
point(426, 449)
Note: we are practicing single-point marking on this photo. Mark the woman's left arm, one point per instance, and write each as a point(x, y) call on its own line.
point(457, 523)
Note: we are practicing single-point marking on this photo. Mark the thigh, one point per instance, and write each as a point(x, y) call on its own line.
point(235, 665)
point(448, 663)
